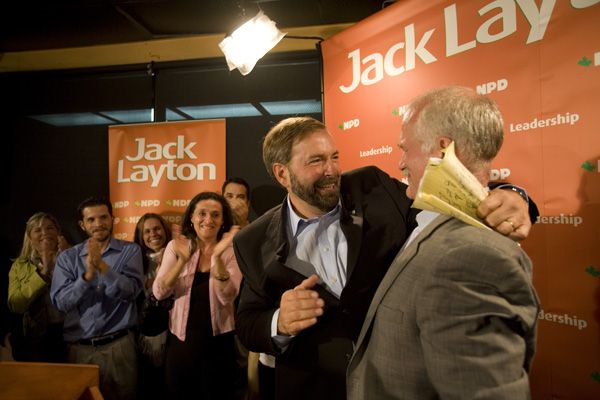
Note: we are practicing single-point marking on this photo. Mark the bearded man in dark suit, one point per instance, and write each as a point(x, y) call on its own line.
point(312, 264)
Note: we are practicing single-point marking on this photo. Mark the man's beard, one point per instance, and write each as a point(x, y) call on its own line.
point(310, 194)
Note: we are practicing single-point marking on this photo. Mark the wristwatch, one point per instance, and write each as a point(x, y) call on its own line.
point(522, 192)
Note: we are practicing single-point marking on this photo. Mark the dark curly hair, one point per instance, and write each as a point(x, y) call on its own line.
point(186, 224)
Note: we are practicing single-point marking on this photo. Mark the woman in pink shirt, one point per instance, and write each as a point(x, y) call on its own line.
point(200, 269)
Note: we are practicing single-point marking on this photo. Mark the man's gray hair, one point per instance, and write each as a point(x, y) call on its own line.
point(471, 120)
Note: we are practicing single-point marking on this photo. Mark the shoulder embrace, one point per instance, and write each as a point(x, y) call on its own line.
point(369, 170)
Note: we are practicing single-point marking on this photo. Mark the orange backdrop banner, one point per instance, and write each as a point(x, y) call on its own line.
point(540, 61)
point(160, 167)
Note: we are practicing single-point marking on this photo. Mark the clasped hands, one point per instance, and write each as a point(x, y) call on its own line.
point(94, 262)
point(48, 252)
point(182, 248)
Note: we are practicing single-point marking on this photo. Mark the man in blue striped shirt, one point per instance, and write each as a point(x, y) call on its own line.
point(95, 284)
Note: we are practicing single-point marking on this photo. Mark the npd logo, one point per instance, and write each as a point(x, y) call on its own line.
point(499, 174)
point(177, 202)
point(147, 203)
point(353, 123)
point(399, 112)
point(492, 86)
point(121, 204)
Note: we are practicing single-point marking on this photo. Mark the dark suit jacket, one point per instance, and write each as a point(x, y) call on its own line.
point(376, 219)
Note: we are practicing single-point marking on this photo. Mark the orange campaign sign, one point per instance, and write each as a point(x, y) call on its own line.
point(540, 61)
point(159, 168)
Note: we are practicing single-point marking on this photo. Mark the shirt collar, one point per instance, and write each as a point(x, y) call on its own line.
point(296, 222)
point(425, 217)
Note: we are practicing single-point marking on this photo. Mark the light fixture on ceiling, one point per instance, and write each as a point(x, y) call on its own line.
point(250, 42)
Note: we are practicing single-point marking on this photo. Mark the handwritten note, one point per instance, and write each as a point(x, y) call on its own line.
point(448, 187)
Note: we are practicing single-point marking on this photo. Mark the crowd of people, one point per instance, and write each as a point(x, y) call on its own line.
point(342, 291)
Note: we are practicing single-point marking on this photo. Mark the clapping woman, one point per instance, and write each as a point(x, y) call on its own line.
point(29, 282)
point(152, 233)
point(200, 269)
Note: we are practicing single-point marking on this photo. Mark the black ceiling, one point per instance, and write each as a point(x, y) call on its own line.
point(51, 24)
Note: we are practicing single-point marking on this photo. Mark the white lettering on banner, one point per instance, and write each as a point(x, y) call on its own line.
point(564, 319)
point(179, 203)
point(489, 87)
point(507, 17)
point(374, 152)
point(121, 204)
point(597, 57)
point(401, 110)
point(154, 151)
point(147, 203)
point(452, 46)
point(583, 3)
point(172, 171)
point(353, 123)
point(386, 64)
point(558, 119)
point(538, 19)
point(561, 219)
point(499, 174)
point(171, 151)
point(374, 67)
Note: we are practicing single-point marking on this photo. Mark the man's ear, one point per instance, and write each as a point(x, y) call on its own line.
point(82, 226)
point(281, 173)
point(443, 142)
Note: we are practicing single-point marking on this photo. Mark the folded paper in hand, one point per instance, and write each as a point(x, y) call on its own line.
point(448, 187)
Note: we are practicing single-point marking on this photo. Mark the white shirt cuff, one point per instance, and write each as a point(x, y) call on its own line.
point(281, 341)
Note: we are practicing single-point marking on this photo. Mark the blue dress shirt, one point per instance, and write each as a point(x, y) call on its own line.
point(318, 244)
point(104, 305)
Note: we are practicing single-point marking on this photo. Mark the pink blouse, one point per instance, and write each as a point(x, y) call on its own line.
point(221, 296)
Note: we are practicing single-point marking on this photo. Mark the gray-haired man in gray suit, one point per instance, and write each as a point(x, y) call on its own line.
point(455, 315)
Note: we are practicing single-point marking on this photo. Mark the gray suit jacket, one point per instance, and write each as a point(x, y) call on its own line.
point(453, 318)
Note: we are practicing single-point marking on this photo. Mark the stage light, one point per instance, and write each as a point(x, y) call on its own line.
point(250, 42)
